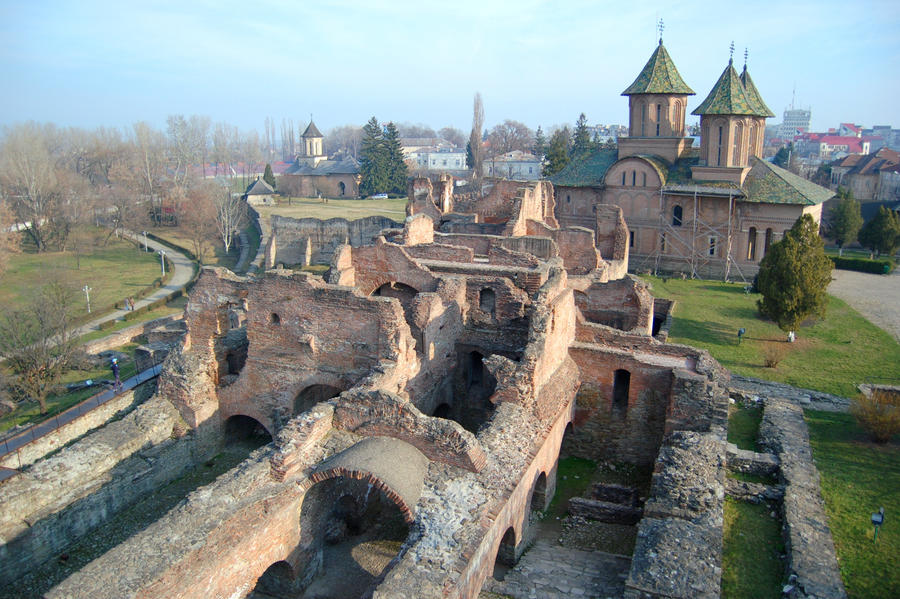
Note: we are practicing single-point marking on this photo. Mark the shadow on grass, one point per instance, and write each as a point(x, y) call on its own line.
point(704, 331)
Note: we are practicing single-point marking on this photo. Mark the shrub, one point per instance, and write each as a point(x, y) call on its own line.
point(773, 353)
point(878, 414)
point(879, 267)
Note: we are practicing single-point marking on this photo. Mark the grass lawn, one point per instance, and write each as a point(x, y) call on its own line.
point(112, 272)
point(29, 413)
point(176, 306)
point(751, 559)
point(349, 209)
point(858, 477)
point(743, 426)
point(833, 355)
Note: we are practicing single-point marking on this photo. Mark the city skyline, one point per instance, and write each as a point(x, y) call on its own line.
point(99, 64)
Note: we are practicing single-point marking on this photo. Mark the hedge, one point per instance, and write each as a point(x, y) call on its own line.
point(881, 266)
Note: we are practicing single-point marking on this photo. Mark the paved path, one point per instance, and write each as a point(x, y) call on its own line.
point(877, 297)
point(47, 426)
point(184, 270)
point(550, 571)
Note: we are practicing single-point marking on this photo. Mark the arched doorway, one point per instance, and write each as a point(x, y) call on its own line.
point(506, 554)
point(621, 386)
point(539, 499)
point(342, 187)
point(244, 430)
point(312, 395)
point(277, 581)
point(350, 533)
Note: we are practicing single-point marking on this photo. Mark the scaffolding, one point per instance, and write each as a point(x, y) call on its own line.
point(672, 243)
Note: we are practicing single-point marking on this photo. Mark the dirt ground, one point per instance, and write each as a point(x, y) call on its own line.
point(877, 297)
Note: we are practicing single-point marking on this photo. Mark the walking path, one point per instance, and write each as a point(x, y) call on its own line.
point(555, 572)
point(47, 426)
point(877, 297)
point(183, 271)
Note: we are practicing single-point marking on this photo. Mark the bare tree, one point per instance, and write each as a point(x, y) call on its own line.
point(28, 176)
point(346, 138)
point(9, 235)
point(224, 146)
point(454, 136)
point(38, 342)
point(231, 214)
point(199, 216)
point(475, 146)
point(509, 136)
point(415, 130)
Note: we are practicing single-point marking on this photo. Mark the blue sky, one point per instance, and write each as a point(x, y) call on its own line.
point(91, 63)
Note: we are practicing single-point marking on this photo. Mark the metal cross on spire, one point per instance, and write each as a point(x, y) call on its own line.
point(746, 53)
point(731, 53)
point(660, 26)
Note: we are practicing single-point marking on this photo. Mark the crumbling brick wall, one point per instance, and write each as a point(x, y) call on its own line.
point(307, 241)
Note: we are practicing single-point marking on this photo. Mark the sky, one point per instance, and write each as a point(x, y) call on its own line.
point(89, 63)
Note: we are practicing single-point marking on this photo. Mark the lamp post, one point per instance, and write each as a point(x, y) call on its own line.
point(87, 295)
point(162, 261)
point(877, 520)
point(144, 233)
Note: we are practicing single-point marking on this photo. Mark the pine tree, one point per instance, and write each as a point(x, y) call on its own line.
point(793, 276)
point(470, 160)
point(395, 161)
point(269, 176)
point(845, 220)
point(557, 152)
point(581, 139)
point(372, 164)
point(882, 233)
point(540, 143)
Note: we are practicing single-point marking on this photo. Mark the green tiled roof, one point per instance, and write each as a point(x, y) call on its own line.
point(586, 171)
point(659, 76)
point(659, 165)
point(753, 95)
point(770, 184)
point(728, 96)
point(680, 172)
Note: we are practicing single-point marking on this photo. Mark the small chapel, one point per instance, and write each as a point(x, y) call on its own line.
point(313, 174)
point(709, 212)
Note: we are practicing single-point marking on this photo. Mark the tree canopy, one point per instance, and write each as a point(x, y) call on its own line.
point(381, 164)
point(269, 176)
point(845, 220)
point(794, 275)
point(557, 152)
point(581, 139)
point(881, 234)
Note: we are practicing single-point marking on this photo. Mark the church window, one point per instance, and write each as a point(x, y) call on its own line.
point(712, 246)
point(677, 214)
point(751, 244)
point(633, 178)
point(768, 241)
point(623, 178)
point(738, 141)
point(644, 179)
point(662, 243)
point(719, 149)
point(658, 112)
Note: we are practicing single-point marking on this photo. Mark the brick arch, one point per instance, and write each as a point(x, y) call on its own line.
point(382, 281)
point(341, 472)
point(251, 411)
point(394, 467)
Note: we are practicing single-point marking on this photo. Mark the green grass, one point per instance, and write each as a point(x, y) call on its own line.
point(751, 563)
point(349, 209)
point(176, 306)
point(112, 272)
point(29, 413)
point(833, 355)
point(743, 427)
point(857, 478)
point(573, 475)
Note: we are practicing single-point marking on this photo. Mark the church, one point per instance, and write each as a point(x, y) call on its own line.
point(314, 175)
point(711, 212)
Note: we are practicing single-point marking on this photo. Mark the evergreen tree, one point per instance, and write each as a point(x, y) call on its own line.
point(581, 139)
point(557, 152)
point(882, 233)
point(845, 220)
point(793, 276)
point(470, 160)
point(540, 143)
point(783, 156)
point(396, 164)
point(372, 160)
point(269, 176)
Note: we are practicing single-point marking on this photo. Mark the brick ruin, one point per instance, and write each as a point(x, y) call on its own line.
point(422, 391)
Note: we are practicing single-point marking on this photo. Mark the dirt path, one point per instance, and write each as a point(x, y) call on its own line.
point(877, 297)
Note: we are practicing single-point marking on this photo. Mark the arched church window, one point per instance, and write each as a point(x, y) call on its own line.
point(677, 213)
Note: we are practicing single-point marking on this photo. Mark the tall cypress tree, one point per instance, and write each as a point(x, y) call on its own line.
point(372, 164)
point(269, 176)
point(396, 164)
point(540, 143)
point(581, 139)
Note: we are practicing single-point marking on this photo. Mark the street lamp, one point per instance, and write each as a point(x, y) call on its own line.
point(144, 233)
point(162, 261)
point(87, 295)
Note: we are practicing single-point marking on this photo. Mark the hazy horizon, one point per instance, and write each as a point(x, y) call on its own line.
point(96, 64)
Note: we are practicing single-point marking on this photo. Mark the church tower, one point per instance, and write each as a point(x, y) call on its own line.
point(732, 127)
point(657, 102)
point(311, 152)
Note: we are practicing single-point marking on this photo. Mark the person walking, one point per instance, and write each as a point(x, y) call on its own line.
point(114, 366)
